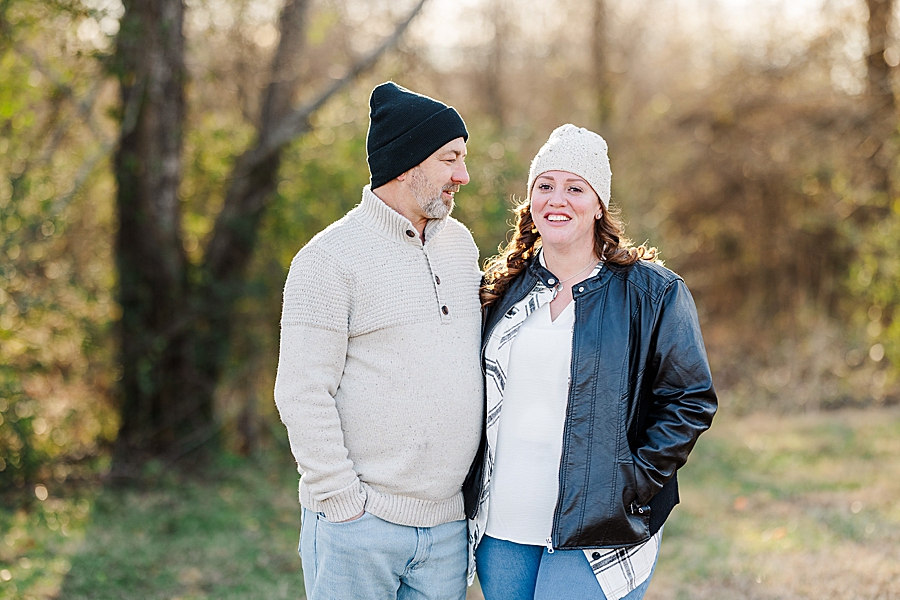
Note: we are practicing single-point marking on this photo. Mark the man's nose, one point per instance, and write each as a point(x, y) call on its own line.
point(460, 174)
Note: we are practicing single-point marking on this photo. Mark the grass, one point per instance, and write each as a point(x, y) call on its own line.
point(230, 533)
point(772, 508)
point(788, 507)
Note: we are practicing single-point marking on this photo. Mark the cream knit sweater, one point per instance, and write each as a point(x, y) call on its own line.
point(379, 382)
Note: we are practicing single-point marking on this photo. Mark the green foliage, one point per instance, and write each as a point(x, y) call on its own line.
point(874, 281)
point(210, 147)
point(40, 534)
point(322, 177)
point(55, 269)
point(498, 170)
point(20, 456)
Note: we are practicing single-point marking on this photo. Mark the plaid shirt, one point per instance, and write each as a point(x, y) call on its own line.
point(618, 570)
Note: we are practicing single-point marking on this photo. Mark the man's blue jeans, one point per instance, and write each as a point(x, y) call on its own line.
point(371, 559)
point(510, 571)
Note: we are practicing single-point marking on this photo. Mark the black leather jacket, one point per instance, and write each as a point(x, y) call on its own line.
point(640, 395)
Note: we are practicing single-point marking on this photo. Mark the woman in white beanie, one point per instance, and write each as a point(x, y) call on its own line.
point(597, 387)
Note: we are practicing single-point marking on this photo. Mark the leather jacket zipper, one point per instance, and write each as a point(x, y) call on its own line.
point(555, 525)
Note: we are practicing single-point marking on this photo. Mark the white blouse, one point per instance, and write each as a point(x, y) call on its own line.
point(525, 482)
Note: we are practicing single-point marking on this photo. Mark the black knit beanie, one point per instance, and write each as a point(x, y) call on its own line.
point(405, 128)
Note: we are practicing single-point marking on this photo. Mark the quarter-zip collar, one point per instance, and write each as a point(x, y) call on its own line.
point(373, 213)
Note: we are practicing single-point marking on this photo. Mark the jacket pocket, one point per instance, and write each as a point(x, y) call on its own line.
point(633, 514)
point(613, 518)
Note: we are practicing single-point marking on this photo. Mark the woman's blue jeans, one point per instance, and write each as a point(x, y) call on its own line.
point(510, 571)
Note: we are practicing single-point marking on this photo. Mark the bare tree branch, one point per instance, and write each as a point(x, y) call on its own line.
point(83, 106)
point(284, 77)
point(297, 122)
point(81, 177)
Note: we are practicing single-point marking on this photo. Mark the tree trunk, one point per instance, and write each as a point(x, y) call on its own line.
point(881, 126)
point(149, 253)
point(599, 57)
point(880, 144)
point(878, 70)
point(496, 63)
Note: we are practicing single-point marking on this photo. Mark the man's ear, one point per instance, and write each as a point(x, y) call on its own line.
point(402, 176)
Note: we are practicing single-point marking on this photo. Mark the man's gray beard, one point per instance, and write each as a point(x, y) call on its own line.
point(435, 208)
point(429, 198)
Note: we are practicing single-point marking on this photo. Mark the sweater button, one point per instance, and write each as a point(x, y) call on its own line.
point(437, 280)
point(445, 310)
point(595, 555)
point(410, 233)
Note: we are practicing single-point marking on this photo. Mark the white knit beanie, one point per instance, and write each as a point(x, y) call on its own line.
point(576, 150)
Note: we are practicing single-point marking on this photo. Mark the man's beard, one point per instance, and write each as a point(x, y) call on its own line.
point(430, 197)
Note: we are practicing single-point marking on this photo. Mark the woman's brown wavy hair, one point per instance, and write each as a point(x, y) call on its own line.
point(610, 244)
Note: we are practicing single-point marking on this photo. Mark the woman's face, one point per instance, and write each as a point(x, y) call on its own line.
point(564, 208)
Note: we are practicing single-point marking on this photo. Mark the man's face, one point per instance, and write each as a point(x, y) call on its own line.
point(434, 182)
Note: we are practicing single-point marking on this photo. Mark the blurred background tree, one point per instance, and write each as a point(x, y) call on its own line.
point(161, 162)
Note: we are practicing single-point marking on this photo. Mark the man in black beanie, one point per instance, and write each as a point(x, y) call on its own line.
point(406, 133)
point(379, 379)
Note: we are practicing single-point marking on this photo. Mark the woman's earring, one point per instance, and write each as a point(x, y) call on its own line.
point(598, 215)
point(534, 229)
